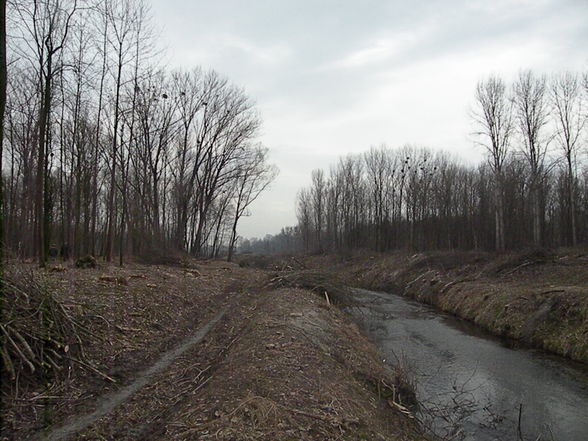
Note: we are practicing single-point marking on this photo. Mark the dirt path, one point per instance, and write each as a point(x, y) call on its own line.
point(112, 401)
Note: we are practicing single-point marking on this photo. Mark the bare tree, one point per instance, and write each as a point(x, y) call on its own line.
point(3, 82)
point(229, 123)
point(101, 22)
point(532, 112)
point(304, 214)
point(493, 116)
point(407, 197)
point(126, 160)
point(192, 91)
point(379, 171)
point(124, 19)
point(570, 119)
point(254, 176)
point(318, 195)
point(45, 29)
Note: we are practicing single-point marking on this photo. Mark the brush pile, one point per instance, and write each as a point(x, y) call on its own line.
point(514, 262)
point(318, 282)
point(39, 337)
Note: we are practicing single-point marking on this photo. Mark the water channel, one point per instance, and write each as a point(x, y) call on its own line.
point(471, 385)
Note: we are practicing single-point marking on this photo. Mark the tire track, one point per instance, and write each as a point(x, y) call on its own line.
point(115, 399)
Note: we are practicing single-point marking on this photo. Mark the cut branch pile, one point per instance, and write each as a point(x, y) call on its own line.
point(39, 337)
point(511, 263)
point(316, 281)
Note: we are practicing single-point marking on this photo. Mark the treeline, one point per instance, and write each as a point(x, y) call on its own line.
point(107, 153)
point(531, 191)
point(286, 242)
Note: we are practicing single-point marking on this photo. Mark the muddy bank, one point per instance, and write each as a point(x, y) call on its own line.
point(539, 298)
point(279, 364)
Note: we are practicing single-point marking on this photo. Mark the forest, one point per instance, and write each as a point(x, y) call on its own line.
point(530, 191)
point(107, 152)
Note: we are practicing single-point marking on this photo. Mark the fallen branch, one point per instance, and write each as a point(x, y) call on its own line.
point(92, 368)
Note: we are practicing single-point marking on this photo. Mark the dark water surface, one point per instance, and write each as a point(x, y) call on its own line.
point(472, 385)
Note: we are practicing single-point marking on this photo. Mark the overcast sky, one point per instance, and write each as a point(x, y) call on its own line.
point(336, 77)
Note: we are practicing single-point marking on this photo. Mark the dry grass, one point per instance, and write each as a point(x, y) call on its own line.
point(512, 262)
point(298, 370)
point(538, 296)
point(281, 364)
point(113, 322)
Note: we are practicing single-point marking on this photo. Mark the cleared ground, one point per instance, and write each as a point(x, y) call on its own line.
point(279, 364)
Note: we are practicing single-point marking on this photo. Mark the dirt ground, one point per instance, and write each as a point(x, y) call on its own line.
point(537, 297)
point(279, 365)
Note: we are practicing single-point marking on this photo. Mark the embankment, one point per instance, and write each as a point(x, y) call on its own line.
point(537, 297)
point(281, 363)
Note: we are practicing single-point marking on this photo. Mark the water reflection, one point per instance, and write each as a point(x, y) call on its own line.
point(472, 385)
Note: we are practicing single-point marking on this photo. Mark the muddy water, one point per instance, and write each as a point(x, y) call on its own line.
point(473, 386)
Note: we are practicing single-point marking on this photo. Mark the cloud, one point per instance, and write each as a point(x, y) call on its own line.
point(381, 49)
point(334, 77)
point(268, 54)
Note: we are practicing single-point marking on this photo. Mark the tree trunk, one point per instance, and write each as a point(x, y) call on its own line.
point(572, 201)
point(3, 82)
point(41, 166)
point(95, 191)
point(111, 226)
point(499, 215)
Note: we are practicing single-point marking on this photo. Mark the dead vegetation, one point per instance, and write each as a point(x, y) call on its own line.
point(87, 261)
point(92, 329)
point(42, 339)
point(511, 263)
point(297, 370)
point(282, 364)
point(538, 296)
point(275, 263)
point(323, 284)
point(256, 261)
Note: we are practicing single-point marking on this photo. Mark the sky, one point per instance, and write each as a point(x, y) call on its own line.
point(331, 77)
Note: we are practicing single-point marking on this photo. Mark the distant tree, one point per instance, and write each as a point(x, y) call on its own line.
point(532, 115)
point(305, 216)
point(318, 195)
point(494, 117)
point(254, 176)
point(570, 119)
point(379, 171)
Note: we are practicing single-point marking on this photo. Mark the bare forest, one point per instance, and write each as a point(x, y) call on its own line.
point(422, 294)
point(531, 191)
point(107, 152)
